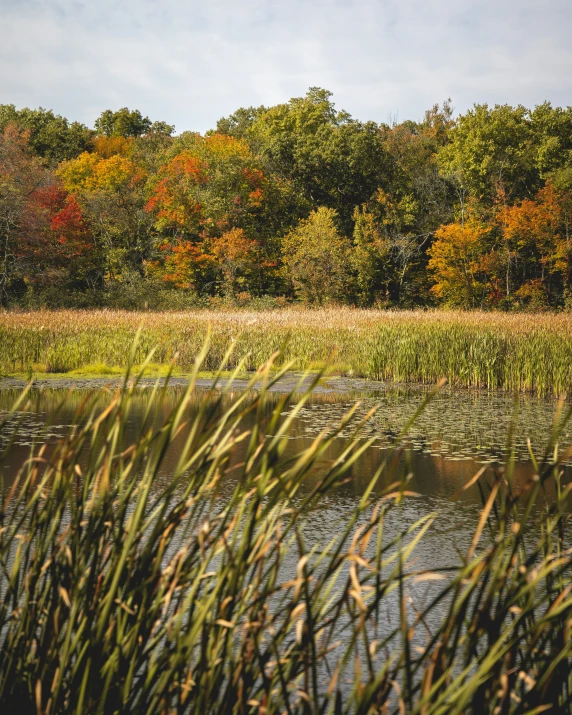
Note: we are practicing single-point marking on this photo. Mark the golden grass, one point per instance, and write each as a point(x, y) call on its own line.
point(494, 350)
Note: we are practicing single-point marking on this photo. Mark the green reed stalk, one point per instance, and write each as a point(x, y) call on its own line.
point(526, 352)
point(126, 590)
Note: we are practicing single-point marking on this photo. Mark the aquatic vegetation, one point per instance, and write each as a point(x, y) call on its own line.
point(204, 594)
point(457, 425)
point(525, 352)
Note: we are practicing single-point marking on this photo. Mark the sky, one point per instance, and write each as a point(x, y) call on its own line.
point(190, 62)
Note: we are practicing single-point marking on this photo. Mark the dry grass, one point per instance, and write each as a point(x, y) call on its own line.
point(511, 351)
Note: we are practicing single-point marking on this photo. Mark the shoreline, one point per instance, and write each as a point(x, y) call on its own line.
point(524, 353)
point(288, 383)
point(333, 385)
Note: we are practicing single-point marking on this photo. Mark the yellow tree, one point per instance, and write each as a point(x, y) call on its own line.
point(110, 187)
point(455, 262)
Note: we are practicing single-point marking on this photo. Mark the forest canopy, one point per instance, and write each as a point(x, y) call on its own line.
point(295, 202)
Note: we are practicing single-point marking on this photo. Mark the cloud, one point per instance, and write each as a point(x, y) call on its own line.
point(190, 62)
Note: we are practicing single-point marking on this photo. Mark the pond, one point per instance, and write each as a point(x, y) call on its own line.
point(457, 434)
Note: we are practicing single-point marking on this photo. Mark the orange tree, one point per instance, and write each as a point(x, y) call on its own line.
point(536, 231)
point(238, 259)
point(516, 255)
point(181, 264)
point(209, 199)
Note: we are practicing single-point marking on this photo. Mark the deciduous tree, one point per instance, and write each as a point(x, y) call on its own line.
point(371, 258)
point(238, 258)
point(43, 234)
point(455, 257)
point(111, 192)
point(22, 217)
point(212, 193)
point(317, 258)
point(129, 123)
point(50, 136)
point(533, 229)
point(331, 159)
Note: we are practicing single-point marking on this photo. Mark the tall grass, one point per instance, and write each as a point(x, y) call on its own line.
point(123, 591)
point(513, 352)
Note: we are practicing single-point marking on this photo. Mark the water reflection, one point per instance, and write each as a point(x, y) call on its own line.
point(456, 434)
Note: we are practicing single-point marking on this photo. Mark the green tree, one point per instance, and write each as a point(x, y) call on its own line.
point(417, 201)
point(552, 129)
point(412, 148)
point(491, 149)
point(50, 136)
point(129, 123)
point(239, 123)
point(331, 159)
point(317, 258)
point(371, 258)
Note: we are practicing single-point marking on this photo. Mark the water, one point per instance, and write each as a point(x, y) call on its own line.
point(457, 433)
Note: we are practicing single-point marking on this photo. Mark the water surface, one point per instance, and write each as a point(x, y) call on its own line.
point(456, 434)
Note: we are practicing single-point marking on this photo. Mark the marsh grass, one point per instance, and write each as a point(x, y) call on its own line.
point(122, 596)
point(525, 352)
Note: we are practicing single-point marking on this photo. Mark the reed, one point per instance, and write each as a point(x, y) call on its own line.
point(127, 591)
point(526, 352)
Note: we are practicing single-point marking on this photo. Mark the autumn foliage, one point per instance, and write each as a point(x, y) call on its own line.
point(181, 264)
point(174, 200)
point(298, 201)
point(43, 229)
point(455, 263)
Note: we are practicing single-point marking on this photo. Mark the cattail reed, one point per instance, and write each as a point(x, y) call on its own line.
point(123, 590)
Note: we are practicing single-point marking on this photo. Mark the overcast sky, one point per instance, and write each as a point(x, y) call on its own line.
point(189, 62)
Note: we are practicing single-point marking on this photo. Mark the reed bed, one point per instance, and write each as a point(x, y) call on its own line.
point(525, 352)
point(190, 597)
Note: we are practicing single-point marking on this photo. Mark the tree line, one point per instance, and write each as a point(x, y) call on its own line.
point(298, 201)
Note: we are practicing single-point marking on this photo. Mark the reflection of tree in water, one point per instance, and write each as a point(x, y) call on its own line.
point(457, 431)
